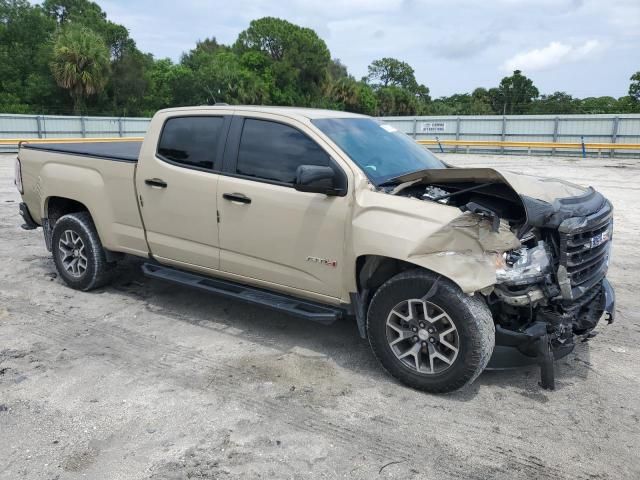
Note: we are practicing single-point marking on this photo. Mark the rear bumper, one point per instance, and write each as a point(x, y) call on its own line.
point(29, 222)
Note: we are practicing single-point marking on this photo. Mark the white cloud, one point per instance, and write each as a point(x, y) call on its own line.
point(553, 54)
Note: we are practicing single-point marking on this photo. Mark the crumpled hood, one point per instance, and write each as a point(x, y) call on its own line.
point(546, 201)
point(550, 201)
point(543, 189)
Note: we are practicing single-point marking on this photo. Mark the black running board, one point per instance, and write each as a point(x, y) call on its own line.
point(299, 308)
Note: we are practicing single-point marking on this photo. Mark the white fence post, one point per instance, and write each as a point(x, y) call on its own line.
point(614, 134)
point(556, 124)
point(39, 120)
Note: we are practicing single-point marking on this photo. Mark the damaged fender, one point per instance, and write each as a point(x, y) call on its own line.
point(460, 246)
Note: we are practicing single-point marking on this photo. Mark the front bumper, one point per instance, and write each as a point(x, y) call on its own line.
point(608, 301)
point(520, 348)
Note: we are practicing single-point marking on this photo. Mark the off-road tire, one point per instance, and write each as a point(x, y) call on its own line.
point(472, 318)
point(98, 271)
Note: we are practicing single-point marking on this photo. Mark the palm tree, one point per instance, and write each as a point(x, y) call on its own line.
point(344, 91)
point(80, 63)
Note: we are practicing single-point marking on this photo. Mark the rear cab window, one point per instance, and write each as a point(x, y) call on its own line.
point(191, 141)
point(272, 151)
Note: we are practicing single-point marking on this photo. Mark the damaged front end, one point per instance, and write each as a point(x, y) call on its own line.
point(551, 289)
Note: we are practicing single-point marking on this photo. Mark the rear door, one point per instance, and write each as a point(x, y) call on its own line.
point(176, 185)
point(268, 230)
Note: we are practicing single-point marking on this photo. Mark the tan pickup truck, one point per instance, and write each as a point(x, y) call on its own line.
point(326, 215)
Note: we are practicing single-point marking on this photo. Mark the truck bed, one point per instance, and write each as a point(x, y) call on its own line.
point(118, 151)
point(98, 175)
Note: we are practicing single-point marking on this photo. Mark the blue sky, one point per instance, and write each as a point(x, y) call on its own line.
point(583, 47)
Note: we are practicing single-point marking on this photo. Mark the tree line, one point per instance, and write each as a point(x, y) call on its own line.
point(67, 57)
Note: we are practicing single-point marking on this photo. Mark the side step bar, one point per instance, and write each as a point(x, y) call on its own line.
point(299, 308)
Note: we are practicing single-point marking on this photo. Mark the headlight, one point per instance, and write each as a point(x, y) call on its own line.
point(18, 176)
point(524, 266)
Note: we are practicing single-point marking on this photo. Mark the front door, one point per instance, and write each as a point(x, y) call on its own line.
point(270, 231)
point(177, 185)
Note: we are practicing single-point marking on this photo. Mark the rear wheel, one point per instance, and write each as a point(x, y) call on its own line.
point(78, 253)
point(429, 334)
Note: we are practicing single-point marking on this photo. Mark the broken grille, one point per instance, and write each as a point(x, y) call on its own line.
point(584, 252)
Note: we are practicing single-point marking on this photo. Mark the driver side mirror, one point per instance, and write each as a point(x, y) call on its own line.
point(316, 179)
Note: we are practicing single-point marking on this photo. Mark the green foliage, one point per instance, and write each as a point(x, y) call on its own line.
point(168, 86)
point(394, 100)
point(66, 56)
point(598, 105)
point(90, 15)
point(80, 63)
point(481, 102)
point(337, 70)
point(516, 93)
point(129, 83)
point(352, 96)
point(296, 61)
point(627, 104)
point(225, 79)
point(457, 104)
point(396, 87)
point(556, 103)
point(390, 72)
point(25, 49)
point(197, 57)
point(634, 87)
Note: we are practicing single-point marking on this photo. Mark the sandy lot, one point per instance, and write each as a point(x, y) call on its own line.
point(146, 380)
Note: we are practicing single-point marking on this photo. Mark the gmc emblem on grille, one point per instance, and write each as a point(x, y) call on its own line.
point(598, 239)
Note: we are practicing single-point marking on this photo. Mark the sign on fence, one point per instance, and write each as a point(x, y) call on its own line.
point(432, 127)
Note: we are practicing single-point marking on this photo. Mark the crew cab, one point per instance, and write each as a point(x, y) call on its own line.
point(327, 215)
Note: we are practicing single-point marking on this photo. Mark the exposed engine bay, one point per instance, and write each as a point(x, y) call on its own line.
point(550, 290)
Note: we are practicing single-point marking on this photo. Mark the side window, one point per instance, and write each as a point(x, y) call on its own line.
point(273, 151)
point(191, 141)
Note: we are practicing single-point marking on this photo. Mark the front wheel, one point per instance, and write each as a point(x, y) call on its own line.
point(429, 334)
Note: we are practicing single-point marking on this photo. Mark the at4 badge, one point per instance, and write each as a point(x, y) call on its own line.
point(323, 261)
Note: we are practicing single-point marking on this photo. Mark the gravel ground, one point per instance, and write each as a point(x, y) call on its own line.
point(146, 380)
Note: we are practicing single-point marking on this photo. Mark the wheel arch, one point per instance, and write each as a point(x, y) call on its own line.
point(373, 270)
point(467, 272)
point(55, 207)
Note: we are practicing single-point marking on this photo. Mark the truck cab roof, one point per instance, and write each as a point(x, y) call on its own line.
point(128, 150)
point(298, 113)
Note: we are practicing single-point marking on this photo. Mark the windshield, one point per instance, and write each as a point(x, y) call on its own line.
point(380, 150)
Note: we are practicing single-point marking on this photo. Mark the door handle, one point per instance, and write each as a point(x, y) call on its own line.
point(156, 182)
point(236, 197)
